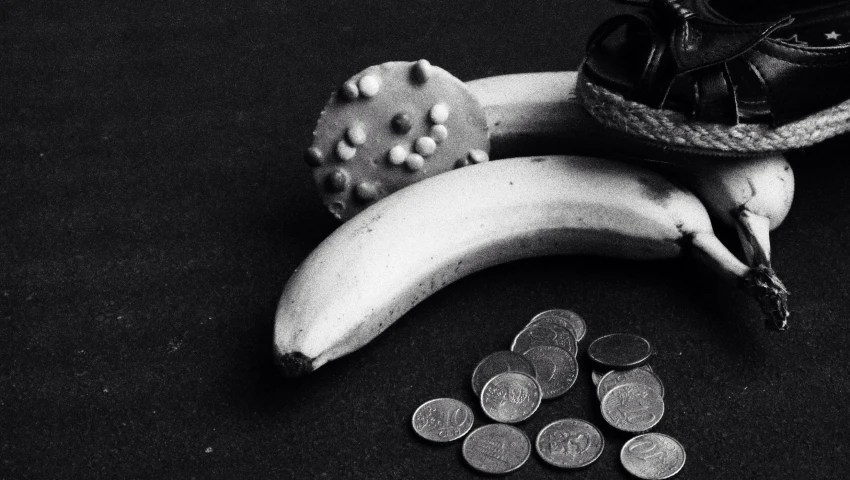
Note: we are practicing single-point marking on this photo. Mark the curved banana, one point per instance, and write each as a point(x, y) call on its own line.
point(397, 252)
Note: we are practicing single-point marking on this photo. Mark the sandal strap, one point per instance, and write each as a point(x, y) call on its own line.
point(697, 41)
point(686, 40)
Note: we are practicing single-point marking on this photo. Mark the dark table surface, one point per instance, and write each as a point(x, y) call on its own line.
point(154, 201)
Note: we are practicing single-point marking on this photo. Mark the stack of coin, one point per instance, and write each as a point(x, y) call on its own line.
point(631, 398)
point(550, 342)
point(631, 395)
point(540, 365)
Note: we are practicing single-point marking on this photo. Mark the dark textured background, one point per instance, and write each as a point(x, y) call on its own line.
point(154, 201)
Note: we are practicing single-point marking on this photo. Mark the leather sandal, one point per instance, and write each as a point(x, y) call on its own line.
point(681, 74)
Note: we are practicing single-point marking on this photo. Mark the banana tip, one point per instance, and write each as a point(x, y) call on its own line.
point(295, 364)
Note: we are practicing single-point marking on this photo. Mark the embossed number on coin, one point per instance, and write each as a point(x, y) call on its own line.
point(633, 407)
point(570, 443)
point(556, 369)
point(511, 397)
point(496, 363)
point(653, 456)
point(496, 448)
point(442, 420)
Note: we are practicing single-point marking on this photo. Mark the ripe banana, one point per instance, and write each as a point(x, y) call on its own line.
point(401, 249)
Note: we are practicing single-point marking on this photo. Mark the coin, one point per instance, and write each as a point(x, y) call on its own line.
point(545, 334)
point(615, 378)
point(511, 397)
point(619, 350)
point(556, 369)
point(569, 443)
point(566, 318)
point(633, 407)
point(496, 363)
point(653, 456)
point(596, 375)
point(443, 420)
point(496, 448)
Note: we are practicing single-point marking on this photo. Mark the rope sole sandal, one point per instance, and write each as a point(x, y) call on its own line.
point(681, 75)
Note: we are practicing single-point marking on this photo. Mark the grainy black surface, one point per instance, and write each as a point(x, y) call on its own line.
point(154, 201)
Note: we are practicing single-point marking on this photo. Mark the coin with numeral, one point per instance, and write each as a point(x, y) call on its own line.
point(556, 369)
point(496, 448)
point(570, 443)
point(511, 397)
point(443, 420)
point(633, 407)
point(545, 334)
point(566, 318)
point(616, 378)
point(496, 363)
point(653, 456)
point(619, 350)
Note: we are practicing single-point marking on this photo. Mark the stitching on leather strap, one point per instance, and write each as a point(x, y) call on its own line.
point(732, 92)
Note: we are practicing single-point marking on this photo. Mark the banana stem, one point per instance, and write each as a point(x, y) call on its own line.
point(754, 233)
point(759, 281)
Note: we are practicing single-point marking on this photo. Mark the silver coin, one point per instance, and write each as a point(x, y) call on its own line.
point(545, 334)
point(569, 443)
point(556, 369)
point(496, 363)
point(443, 420)
point(633, 407)
point(653, 456)
point(620, 350)
point(567, 318)
point(596, 375)
point(616, 378)
point(511, 397)
point(496, 448)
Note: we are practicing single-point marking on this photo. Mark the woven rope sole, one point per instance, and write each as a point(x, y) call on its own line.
point(673, 128)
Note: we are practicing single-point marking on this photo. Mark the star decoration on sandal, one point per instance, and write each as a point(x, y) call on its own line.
point(833, 35)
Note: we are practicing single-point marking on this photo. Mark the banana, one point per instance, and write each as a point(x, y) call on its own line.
point(754, 195)
point(516, 115)
point(401, 249)
point(751, 195)
point(538, 113)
